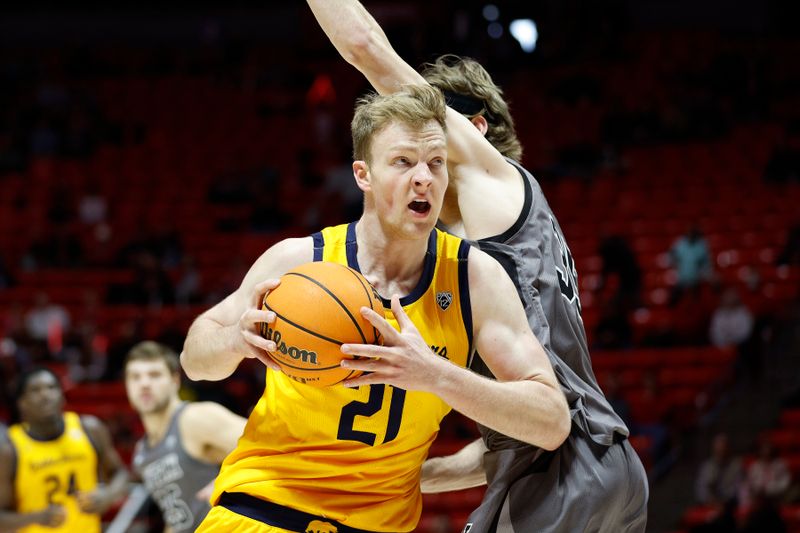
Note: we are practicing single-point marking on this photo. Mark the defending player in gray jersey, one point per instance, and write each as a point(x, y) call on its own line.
point(594, 481)
point(178, 458)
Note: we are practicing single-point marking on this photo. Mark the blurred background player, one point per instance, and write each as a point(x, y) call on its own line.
point(595, 481)
point(59, 470)
point(184, 443)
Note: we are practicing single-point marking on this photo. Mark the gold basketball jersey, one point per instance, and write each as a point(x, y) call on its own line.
point(53, 472)
point(354, 455)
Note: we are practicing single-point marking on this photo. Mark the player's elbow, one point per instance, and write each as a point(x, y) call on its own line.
point(191, 370)
point(560, 424)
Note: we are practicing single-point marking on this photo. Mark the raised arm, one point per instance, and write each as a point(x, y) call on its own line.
point(361, 42)
point(482, 176)
point(221, 337)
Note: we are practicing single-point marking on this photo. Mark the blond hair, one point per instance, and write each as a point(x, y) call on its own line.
point(414, 106)
point(153, 351)
point(466, 77)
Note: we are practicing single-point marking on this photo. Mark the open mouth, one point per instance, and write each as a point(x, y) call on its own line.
point(420, 206)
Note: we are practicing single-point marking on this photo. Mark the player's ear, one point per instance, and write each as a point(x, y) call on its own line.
point(362, 175)
point(480, 122)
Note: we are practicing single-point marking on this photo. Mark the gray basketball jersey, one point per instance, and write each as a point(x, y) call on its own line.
point(530, 489)
point(535, 254)
point(173, 477)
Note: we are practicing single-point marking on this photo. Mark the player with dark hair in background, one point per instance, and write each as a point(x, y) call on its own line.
point(59, 470)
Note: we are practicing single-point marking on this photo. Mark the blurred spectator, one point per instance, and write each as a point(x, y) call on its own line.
point(619, 261)
point(734, 326)
point(731, 322)
point(790, 255)
point(92, 206)
point(720, 475)
point(46, 320)
point(187, 288)
point(768, 476)
point(87, 356)
point(613, 329)
point(692, 262)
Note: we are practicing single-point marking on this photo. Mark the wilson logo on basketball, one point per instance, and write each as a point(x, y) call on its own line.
point(298, 354)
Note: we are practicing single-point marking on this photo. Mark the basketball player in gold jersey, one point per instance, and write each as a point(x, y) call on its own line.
point(347, 458)
point(54, 462)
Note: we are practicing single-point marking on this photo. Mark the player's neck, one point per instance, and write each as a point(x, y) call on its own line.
point(157, 423)
point(391, 265)
point(46, 429)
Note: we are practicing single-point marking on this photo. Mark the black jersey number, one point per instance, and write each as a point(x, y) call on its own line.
point(568, 277)
point(369, 408)
point(53, 487)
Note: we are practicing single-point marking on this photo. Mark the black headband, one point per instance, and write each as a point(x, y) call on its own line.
point(466, 105)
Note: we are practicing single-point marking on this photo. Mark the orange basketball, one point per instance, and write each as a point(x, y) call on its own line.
point(317, 308)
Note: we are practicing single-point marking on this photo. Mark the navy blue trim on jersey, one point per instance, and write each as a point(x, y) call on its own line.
point(319, 244)
point(351, 247)
point(463, 289)
point(427, 270)
point(523, 215)
point(276, 515)
point(424, 280)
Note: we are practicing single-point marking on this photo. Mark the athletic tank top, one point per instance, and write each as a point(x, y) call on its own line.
point(535, 254)
point(173, 477)
point(354, 455)
point(53, 472)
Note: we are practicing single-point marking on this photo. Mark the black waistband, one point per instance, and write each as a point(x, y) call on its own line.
point(278, 515)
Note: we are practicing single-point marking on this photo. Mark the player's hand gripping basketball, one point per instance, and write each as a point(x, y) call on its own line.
point(254, 346)
point(404, 360)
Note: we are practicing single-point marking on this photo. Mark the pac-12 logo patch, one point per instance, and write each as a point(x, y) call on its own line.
point(444, 299)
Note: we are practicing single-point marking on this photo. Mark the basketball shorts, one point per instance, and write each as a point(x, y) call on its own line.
point(242, 513)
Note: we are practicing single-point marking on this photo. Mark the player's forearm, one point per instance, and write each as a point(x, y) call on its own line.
point(461, 470)
point(532, 411)
point(209, 350)
point(361, 42)
point(11, 521)
point(118, 486)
